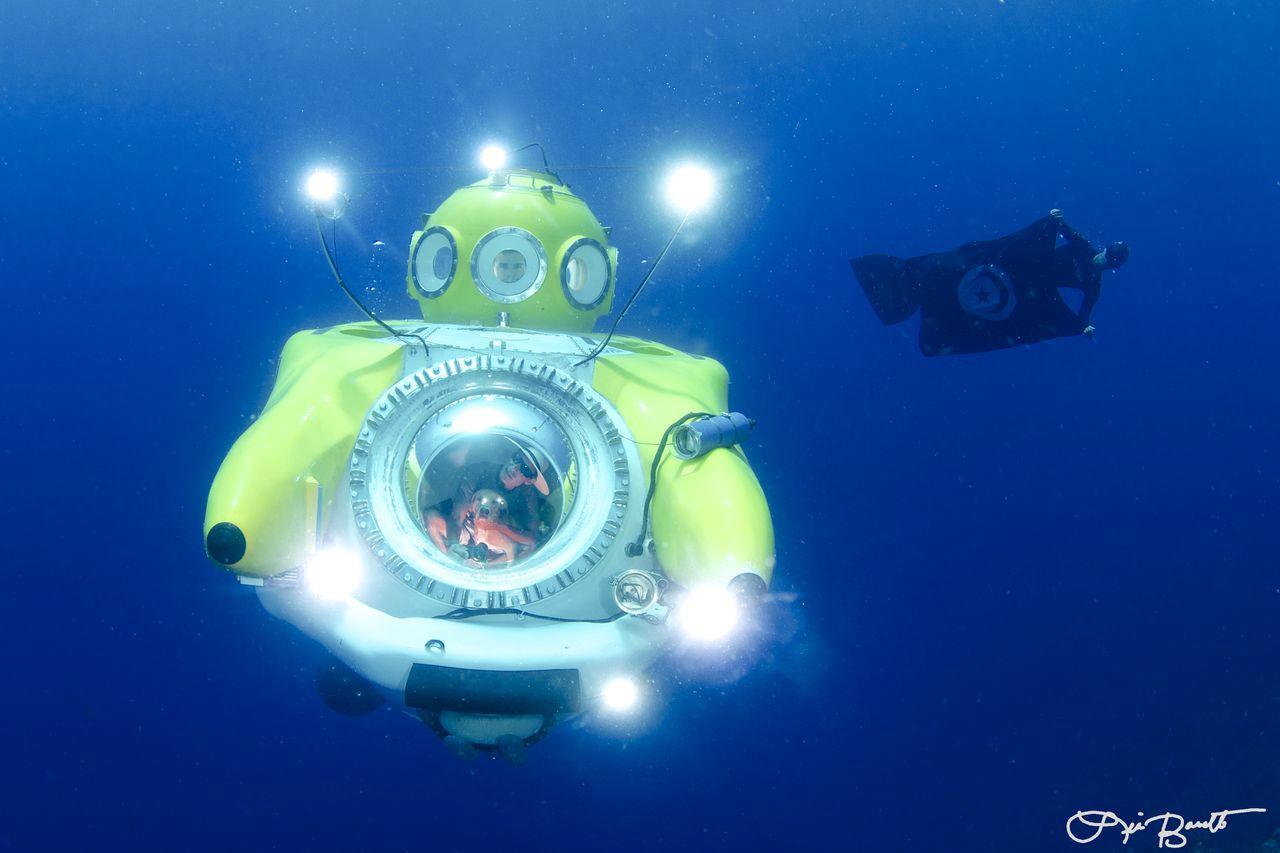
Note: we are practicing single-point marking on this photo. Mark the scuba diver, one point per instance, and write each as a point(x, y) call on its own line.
point(993, 294)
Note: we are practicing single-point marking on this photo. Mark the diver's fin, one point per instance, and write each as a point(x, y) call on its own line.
point(891, 289)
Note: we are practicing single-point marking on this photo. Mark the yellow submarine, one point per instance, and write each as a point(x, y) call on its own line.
point(493, 517)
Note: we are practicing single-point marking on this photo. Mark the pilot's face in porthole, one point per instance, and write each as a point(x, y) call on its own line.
point(509, 266)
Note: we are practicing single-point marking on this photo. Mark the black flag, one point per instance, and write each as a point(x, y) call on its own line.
point(991, 294)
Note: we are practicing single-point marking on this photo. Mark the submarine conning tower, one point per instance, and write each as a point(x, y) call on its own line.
point(519, 243)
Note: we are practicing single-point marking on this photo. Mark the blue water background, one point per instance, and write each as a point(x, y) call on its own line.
point(1025, 583)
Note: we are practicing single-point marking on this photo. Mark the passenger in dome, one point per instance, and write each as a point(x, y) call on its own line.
point(525, 486)
point(505, 501)
point(485, 536)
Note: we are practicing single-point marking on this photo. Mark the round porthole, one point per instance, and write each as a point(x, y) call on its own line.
point(492, 478)
point(585, 273)
point(482, 482)
point(434, 262)
point(508, 265)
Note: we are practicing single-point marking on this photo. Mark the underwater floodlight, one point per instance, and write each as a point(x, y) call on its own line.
point(322, 185)
point(493, 157)
point(327, 198)
point(690, 188)
point(332, 574)
point(701, 436)
point(620, 695)
point(707, 613)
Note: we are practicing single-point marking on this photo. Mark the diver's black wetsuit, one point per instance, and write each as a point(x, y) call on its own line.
point(992, 294)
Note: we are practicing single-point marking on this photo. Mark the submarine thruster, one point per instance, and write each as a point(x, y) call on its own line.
point(493, 517)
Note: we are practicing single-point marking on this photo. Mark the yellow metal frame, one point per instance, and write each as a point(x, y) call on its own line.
point(710, 520)
point(272, 483)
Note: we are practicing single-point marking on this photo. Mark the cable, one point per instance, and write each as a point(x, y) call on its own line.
point(455, 167)
point(546, 165)
point(636, 548)
point(625, 308)
point(333, 267)
point(463, 613)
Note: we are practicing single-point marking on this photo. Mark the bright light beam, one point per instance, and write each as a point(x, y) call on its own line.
point(708, 613)
point(620, 695)
point(690, 188)
point(322, 185)
point(493, 157)
point(332, 574)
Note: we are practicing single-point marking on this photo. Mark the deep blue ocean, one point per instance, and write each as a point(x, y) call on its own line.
point(1016, 585)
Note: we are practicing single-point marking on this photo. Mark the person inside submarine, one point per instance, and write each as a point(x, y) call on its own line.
point(495, 511)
